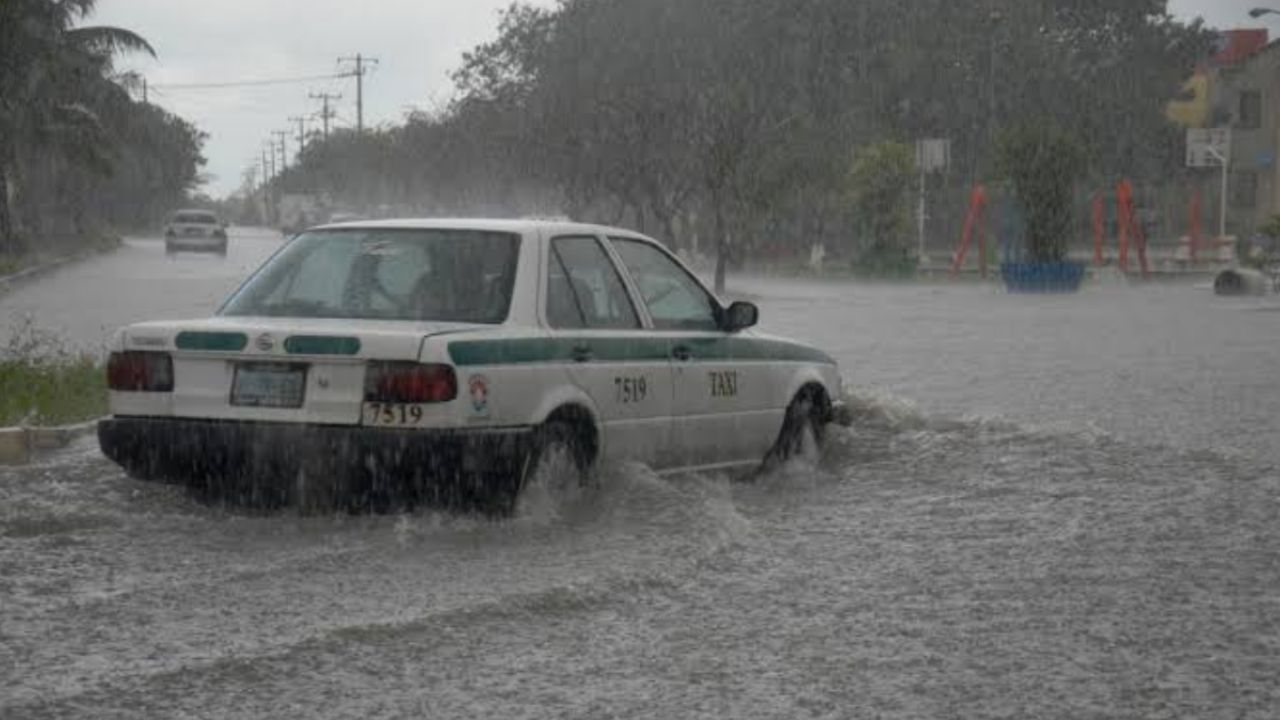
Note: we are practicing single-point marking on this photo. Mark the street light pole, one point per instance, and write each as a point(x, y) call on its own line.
point(1225, 160)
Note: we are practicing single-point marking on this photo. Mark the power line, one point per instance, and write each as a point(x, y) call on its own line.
point(250, 83)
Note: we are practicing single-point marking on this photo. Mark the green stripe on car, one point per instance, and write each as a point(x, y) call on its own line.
point(528, 351)
point(321, 345)
point(211, 341)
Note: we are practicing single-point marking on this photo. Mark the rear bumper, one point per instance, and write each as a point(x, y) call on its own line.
point(195, 243)
point(296, 463)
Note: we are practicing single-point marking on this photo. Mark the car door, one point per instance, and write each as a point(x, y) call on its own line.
point(606, 350)
point(722, 400)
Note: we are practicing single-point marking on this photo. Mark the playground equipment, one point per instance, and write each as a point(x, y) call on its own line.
point(1129, 227)
point(974, 221)
point(1131, 241)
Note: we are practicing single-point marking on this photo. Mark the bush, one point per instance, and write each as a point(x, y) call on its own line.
point(881, 185)
point(42, 383)
point(1042, 162)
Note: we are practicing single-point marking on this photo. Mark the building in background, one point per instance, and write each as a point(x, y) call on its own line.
point(1246, 97)
point(1239, 87)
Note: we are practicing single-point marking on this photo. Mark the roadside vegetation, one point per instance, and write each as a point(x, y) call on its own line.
point(742, 129)
point(79, 155)
point(44, 383)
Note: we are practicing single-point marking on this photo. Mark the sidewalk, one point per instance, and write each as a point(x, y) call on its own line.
point(18, 445)
point(46, 266)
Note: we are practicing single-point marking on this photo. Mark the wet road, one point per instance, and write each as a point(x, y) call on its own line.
point(1049, 508)
point(85, 302)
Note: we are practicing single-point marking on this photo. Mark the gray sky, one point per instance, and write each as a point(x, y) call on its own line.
point(416, 41)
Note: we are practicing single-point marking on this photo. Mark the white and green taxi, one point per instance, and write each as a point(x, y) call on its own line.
point(426, 361)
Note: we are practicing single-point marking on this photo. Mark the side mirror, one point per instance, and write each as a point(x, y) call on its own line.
point(740, 316)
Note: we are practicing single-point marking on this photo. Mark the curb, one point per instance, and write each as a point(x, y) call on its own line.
point(8, 282)
point(19, 445)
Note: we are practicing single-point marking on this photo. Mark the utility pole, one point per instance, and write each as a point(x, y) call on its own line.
point(284, 160)
point(302, 135)
point(268, 171)
point(144, 90)
point(326, 112)
point(269, 152)
point(362, 64)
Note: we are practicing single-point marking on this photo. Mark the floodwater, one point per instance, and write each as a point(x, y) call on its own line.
point(1048, 507)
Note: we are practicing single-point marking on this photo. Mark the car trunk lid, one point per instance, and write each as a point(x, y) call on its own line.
point(278, 369)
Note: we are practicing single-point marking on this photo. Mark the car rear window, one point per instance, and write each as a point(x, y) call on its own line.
point(379, 274)
point(195, 218)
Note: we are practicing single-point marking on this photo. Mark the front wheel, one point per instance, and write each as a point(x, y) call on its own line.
point(804, 427)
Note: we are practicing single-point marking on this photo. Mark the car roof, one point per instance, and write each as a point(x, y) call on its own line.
point(193, 211)
point(550, 227)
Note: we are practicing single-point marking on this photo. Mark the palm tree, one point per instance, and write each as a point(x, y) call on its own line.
point(50, 71)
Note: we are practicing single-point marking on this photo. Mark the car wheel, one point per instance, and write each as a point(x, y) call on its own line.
point(556, 465)
point(804, 423)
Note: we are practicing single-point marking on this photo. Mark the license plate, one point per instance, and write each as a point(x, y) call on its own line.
point(269, 385)
point(394, 414)
point(193, 231)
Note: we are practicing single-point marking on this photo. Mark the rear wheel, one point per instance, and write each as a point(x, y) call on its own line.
point(557, 465)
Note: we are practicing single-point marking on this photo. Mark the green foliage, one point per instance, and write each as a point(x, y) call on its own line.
point(880, 186)
point(1271, 228)
point(733, 121)
point(42, 383)
point(1042, 163)
point(77, 154)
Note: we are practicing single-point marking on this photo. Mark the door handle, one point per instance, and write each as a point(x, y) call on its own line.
point(681, 352)
point(582, 353)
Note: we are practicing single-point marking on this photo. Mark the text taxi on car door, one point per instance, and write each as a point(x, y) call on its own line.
point(448, 361)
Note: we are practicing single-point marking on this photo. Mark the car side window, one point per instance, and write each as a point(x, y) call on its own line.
point(584, 289)
point(676, 301)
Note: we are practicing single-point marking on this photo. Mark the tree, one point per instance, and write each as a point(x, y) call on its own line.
point(65, 121)
point(736, 120)
point(1042, 163)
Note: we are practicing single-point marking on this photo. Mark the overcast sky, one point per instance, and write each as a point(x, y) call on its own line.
point(417, 43)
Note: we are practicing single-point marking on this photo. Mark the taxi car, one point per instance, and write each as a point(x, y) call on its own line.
point(195, 231)
point(426, 361)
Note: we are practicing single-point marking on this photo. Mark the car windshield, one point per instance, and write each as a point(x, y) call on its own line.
point(428, 275)
point(195, 218)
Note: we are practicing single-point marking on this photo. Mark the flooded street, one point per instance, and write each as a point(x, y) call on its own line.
point(1048, 507)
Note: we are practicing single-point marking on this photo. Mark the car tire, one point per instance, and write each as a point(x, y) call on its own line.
point(557, 457)
point(806, 418)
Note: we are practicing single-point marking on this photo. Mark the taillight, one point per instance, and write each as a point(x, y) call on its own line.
point(409, 382)
point(140, 372)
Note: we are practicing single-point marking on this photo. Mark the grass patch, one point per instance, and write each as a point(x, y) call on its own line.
point(43, 383)
point(9, 265)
